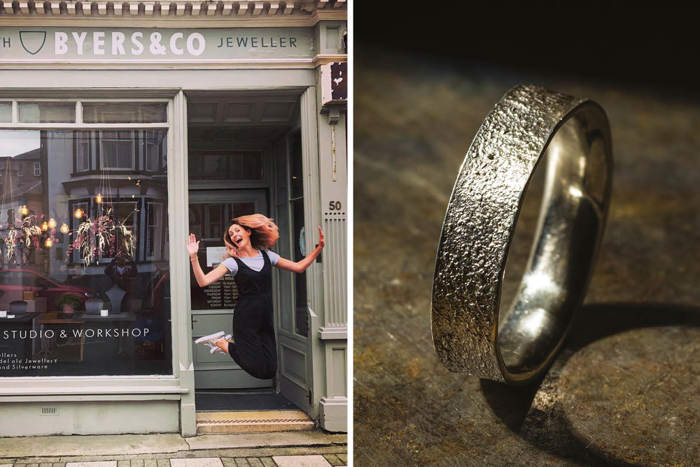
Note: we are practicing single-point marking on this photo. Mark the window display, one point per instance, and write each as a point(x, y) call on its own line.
point(84, 266)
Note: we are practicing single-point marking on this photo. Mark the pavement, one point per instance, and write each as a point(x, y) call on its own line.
point(284, 449)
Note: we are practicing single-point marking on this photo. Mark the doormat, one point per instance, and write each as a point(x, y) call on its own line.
point(231, 400)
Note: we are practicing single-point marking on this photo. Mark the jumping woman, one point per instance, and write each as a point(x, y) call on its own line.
point(250, 262)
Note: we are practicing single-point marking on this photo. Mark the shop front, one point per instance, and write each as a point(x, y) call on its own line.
point(123, 129)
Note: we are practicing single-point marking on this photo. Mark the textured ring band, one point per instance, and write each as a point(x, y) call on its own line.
point(533, 137)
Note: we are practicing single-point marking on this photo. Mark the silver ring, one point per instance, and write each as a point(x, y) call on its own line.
point(535, 146)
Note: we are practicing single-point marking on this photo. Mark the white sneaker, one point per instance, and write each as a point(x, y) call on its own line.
point(214, 348)
point(210, 338)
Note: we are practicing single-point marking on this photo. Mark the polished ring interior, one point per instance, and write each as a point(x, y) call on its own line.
point(539, 166)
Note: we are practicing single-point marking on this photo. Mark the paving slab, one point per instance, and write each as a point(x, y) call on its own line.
point(78, 445)
point(301, 461)
point(199, 462)
point(242, 440)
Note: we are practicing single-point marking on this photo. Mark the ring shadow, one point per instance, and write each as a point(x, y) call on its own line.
point(512, 404)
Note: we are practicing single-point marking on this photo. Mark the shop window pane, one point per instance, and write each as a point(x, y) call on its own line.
point(72, 247)
point(124, 112)
point(243, 209)
point(216, 165)
point(214, 221)
point(5, 111)
point(83, 151)
point(118, 149)
point(208, 222)
point(153, 150)
point(47, 112)
point(301, 324)
point(154, 239)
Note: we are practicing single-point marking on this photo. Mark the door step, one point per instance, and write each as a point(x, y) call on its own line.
point(253, 421)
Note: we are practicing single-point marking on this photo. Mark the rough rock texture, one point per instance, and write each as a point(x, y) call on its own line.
point(413, 124)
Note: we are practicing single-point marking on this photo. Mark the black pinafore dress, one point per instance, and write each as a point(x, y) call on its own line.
point(254, 348)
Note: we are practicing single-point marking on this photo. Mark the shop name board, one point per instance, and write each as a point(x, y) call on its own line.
point(87, 44)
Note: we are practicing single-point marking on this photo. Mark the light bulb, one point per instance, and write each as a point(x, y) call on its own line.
point(24, 210)
point(48, 243)
point(52, 223)
point(64, 229)
point(44, 226)
point(78, 213)
point(98, 198)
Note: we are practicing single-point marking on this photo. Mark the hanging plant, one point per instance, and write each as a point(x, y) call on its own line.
point(99, 237)
point(29, 233)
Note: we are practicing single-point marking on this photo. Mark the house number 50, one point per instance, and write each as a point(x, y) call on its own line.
point(334, 205)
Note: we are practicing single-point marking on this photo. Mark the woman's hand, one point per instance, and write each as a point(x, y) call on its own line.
point(192, 245)
point(321, 241)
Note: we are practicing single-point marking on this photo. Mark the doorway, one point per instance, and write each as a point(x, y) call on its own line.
point(244, 157)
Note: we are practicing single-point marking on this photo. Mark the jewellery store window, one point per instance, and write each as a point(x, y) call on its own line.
point(84, 265)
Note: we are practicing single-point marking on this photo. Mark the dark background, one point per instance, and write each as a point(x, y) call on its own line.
point(625, 44)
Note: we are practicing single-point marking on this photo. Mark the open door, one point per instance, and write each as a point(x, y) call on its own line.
point(295, 366)
point(245, 156)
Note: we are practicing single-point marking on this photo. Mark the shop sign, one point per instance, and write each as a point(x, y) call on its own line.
point(118, 44)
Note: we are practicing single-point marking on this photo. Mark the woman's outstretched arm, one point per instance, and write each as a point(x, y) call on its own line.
point(303, 264)
point(203, 279)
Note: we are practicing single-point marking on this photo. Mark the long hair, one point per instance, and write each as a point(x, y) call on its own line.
point(263, 232)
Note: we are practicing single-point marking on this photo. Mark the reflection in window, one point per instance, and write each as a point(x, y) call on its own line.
point(153, 148)
point(76, 239)
point(215, 165)
point(83, 151)
point(154, 234)
point(47, 112)
point(124, 112)
point(297, 207)
point(117, 149)
point(120, 150)
point(5, 111)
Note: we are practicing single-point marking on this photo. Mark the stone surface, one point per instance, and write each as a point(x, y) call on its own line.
point(285, 438)
point(120, 446)
point(200, 462)
point(99, 444)
point(413, 124)
point(301, 461)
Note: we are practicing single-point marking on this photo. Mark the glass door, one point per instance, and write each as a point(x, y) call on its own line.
point(296, 368)
point(210, 213)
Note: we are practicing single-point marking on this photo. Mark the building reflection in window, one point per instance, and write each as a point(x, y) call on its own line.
point(83, 250)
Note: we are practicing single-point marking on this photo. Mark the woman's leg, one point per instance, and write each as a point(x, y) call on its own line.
point(251, 345)
point(269, 349)
point(252, 353)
